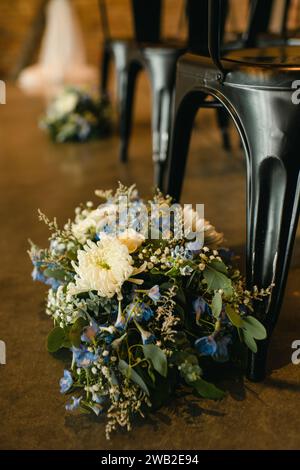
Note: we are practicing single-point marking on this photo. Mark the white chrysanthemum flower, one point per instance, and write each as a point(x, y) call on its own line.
point(132, 239)
point(192, 222)
point(103, 266)
point(95, 222)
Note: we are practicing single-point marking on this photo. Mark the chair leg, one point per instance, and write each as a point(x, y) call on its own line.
point(161, 120)
point(126, 79)
point(106, 59)
point(272, 223)
point(224, 122)
point(185, 112)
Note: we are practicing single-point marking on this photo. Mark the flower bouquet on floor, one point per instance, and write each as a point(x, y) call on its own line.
point(76, 116)
point(145, 300)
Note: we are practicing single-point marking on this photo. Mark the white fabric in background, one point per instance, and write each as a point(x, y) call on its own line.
point(62, 58)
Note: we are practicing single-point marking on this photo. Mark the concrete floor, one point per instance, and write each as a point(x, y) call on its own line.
point(34, 173)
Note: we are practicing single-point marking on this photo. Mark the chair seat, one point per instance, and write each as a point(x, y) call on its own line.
point(274, 56)
point(272, 67)
point(164, 49)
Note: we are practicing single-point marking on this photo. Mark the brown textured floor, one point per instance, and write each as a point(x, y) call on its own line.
point(34, 173)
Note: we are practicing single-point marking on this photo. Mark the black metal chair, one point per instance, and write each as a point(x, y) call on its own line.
point(255, 86)
point(128, 59)
point(159, 58)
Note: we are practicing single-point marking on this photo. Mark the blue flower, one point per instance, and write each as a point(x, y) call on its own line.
point(90, 332)
point(66, 382)
point(139, 312)
point(120, 323)
point(73, 405)
point(37, 275)
point(222, 354)
point(147, 337)
point(83, 357)
point(98, 398)
point(109, 338)
point(200, 307)
point(186, 270)
point(154, 293)
point(194, 247)
point(206, 346)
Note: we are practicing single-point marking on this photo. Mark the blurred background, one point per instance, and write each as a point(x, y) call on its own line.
point(18, 18)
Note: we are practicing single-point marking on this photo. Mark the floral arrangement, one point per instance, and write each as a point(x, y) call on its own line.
point(75, 116)
point(141, 315)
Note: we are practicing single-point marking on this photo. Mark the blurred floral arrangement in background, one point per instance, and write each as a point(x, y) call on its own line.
point(141, 316)
point(76, 116)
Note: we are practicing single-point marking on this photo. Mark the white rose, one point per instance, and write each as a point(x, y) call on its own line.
point(132, 239)
point(193, 223)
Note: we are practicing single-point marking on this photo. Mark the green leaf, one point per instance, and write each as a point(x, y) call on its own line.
point(254, 327)
point(180, 296)
point(150, 372)
point(217, 280)
point(131, 374)
point(76, 330)
point(157, 358)
point(250, 341)
point(233, 316)
point(58, 274)
point(207, 390)
point(55, 339)
point(219, 266)
point(216, 305)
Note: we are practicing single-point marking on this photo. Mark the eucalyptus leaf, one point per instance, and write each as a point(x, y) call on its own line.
point(76, 330)
point(250, 341)
point(56, 339)
point(131, 374)
point(207, 390)
point(254, 327)
point(58, 274)
point(216, 305)
point(233, 316)
point(219, 266)
point(157, 358)
point(217, 280)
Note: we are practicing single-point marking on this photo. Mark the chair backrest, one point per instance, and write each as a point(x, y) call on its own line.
point(260, 14)
point(146, 19)
point(214, 33)
point(197, 14)
point(260, 18)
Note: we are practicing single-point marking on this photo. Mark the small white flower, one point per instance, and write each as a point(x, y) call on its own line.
point(94, 222)
point(103, 266)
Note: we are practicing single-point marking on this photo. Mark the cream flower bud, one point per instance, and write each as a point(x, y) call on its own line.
point(132, 239)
